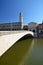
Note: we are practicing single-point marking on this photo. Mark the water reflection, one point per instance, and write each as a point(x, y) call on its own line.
point(28, 52)
point(36, 55)
point(24, 52)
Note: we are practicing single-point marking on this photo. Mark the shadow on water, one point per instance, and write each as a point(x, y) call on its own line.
point(36, 55)
point(16, 53)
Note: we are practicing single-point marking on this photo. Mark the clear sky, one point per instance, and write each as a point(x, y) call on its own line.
point(32, 10)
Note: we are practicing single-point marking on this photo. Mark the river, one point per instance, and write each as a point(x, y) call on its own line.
point(24, 52)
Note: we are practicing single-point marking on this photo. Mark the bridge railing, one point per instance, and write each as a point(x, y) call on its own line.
point(12, 32)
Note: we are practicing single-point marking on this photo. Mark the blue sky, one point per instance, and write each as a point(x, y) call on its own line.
point(32, 10)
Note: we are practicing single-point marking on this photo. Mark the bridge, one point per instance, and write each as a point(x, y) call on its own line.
point(8, 38)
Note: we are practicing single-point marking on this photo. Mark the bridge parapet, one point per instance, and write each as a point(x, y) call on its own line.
point(14, 32)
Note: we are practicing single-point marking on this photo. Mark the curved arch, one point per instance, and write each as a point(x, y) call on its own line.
point(24, 34)
point(25, 37)
point(11, 39)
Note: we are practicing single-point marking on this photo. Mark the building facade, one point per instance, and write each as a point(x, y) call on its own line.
point(32, 27)
point(13, 25)
point(40, 30)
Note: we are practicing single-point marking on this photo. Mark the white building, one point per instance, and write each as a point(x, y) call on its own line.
point(32, 27)
point(13, 25)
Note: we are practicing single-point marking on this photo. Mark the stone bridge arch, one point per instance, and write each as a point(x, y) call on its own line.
point(7, 40)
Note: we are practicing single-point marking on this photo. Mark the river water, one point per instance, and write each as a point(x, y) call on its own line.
point(24, 52)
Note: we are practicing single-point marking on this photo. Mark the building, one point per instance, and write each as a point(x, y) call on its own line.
point(32, 26)
point(25, 27)
point(13, 25)
point(40, 30)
